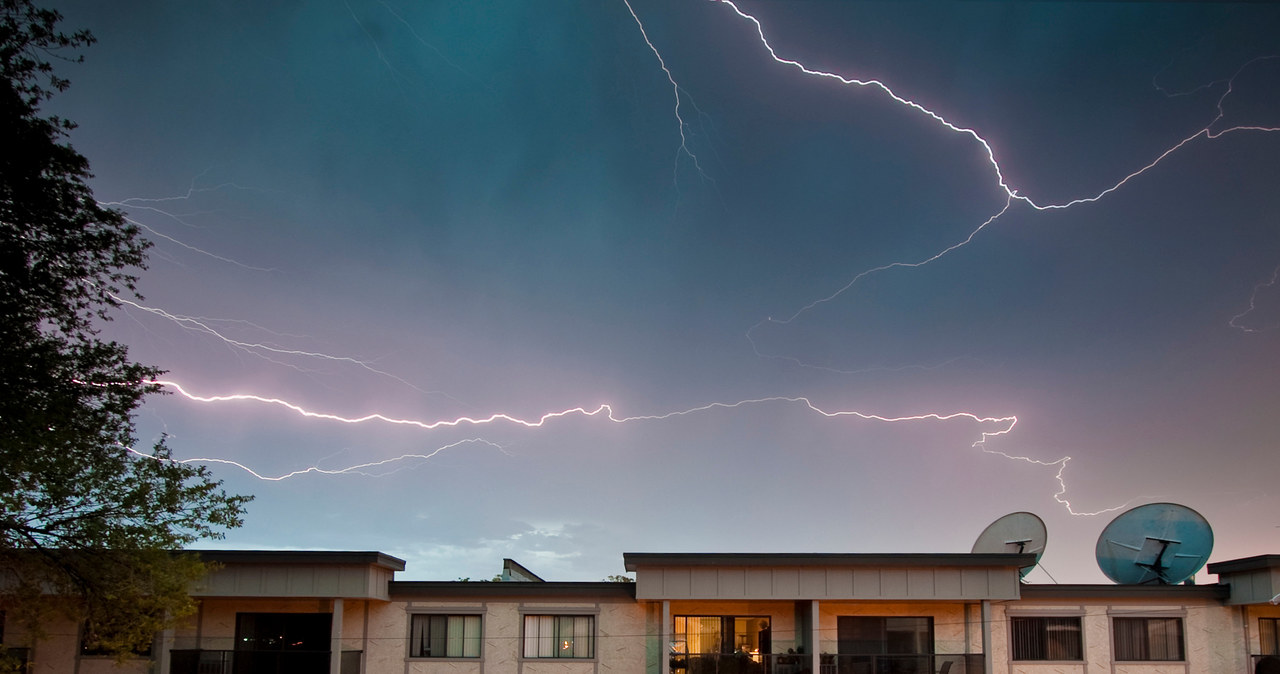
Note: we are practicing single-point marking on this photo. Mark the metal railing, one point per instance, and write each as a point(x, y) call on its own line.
point(933, 663)
point(801, 663)
point(1264, 664)
point(204, 661)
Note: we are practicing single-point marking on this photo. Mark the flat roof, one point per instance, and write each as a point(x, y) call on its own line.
point(1104, 591)
point(1256, 563)
point(633, 560)
point(369, 557)
point(541, 589)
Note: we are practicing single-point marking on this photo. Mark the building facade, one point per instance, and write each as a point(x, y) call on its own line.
point(269, 612)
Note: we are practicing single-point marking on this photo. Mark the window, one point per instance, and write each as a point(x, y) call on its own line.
point(559, 636)
point(1047, 638)
point(89, 646)
point(1269, 636)
point(444, 636)
point(876, 635)
point(723, 634)
point(1147, 638)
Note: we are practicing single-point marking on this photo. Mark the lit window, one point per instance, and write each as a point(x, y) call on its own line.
point(1147, 638)
point(1046, 638)
point(1269, 636)
point(702, 635)
point(559, 636)
point(445, 636)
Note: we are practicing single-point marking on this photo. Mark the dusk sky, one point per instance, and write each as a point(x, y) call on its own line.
point(442, 210)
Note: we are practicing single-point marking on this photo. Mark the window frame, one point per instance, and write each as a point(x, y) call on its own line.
point(1043, 632)
point(465, 616)
point(1147, 620)
point(558, 620)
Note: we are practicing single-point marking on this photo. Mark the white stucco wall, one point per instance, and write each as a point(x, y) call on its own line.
point(1213, 640)
point(620, 645)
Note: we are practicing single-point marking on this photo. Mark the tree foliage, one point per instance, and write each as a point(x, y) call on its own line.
point(84, 518)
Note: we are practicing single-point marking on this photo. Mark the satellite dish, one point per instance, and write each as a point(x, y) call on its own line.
point(1014, 533)
point(1156, 543)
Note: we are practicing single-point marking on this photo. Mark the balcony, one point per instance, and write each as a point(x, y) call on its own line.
point(203, 661)
point(743, 663)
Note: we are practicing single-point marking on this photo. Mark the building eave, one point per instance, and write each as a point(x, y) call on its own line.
point(634, 560)
point(1104, 591)
point(487, 590)
point(353, 557)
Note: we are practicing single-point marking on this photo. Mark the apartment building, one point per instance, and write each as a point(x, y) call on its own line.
point(275, 612)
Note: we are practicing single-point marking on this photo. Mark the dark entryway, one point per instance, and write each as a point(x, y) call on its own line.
point(282, 643)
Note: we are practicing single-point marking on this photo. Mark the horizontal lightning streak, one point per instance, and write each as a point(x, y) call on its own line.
point(1005, 425)
point(199, 325)
point(603, 410)
point(357, 469)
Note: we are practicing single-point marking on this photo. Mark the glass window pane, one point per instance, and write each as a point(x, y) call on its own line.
point(559, 636)
point(1147, 638)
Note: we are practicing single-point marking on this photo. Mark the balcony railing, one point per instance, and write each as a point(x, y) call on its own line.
point(17, 657)
point(1265, 664)
point(800, 663)
point(202, 661)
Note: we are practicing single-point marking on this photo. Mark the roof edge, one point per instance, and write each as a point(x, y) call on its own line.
point(1105, 591)
point(1255, 563)
point(633, 560)
point(456, 588)
point(370, 557)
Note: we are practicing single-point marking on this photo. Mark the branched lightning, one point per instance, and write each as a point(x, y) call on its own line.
point(990, 427)
point(1003, 426)
point(148, 204)
point(603, 410)
point(1012, 194)
point(199, 324)
point(675, 90)
point(1208, 132)
point(1235, 321)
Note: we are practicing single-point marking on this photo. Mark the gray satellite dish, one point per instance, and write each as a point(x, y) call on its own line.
point(1155, 544)
point(1014, 533)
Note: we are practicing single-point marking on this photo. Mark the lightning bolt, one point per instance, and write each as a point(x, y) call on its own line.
point(1004, 425)
point(1207, 132)
point(133, 204)
point(256, 348)
point(356, 469)
point(995, 426)
point(675, 91)
point(1236, 321)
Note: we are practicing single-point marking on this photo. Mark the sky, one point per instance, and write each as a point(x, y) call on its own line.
point(846, 277)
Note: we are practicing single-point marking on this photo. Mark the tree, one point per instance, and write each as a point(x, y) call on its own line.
point(88, 525)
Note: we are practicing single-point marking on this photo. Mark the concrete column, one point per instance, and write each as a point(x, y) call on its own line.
point(815, 638)
point(335, 639)
point(664, 636)
point(986, 635)
point(162, 651)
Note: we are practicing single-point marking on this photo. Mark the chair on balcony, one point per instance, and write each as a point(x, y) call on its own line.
point(946, 667)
